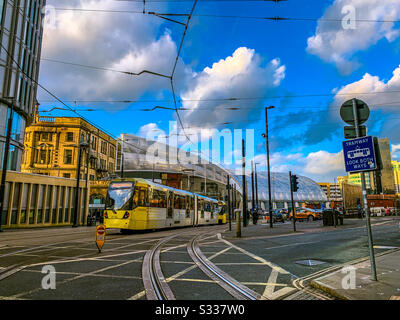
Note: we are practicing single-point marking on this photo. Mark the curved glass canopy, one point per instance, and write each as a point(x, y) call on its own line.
point(309, 190)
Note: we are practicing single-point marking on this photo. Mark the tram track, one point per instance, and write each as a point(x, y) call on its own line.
point(232, 286)
point(153, 278)
point(156, 286)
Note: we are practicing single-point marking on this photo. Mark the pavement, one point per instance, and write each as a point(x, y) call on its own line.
point(262, 229)
point(387, 286)
point(338, 283)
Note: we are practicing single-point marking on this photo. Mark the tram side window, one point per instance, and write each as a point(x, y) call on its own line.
point(191, 203)
point(177, 202)
point(180, 202)
point(207, 207)
point(141, 198)
point(159, 199)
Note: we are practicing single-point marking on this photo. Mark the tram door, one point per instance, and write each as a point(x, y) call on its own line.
point(170, 209)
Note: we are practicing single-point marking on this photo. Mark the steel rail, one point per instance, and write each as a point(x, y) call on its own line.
point(231, 285)
point(154, 282)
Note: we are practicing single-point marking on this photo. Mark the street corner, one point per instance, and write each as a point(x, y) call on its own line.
point(355, 282)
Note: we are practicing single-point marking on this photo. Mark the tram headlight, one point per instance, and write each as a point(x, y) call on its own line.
point(126, 215)
point(105, 215)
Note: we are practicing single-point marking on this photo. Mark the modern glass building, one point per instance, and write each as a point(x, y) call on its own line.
point(209, 179)
point(309, 191)
point(20, 38)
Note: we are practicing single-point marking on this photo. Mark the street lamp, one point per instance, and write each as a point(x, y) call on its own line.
point(265, 135)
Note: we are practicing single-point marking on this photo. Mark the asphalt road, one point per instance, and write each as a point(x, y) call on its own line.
point(266, 261)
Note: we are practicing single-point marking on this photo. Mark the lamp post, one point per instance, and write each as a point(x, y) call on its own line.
point(78, 176)
point(265, 135)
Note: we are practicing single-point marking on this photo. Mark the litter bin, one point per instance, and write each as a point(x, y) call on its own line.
point(327, 218)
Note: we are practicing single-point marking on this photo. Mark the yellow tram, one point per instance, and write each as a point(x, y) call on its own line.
point(139, 204)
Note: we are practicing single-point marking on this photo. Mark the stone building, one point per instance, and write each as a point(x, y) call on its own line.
point(52, 148)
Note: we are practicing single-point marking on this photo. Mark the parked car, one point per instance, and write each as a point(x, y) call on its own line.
point(276, 216)
point(306, 214)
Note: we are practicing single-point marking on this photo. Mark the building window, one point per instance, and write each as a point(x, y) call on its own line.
point(94, 143)
point(70, 137)
point(103, 164)
point(46, 136)
point(67, 175)
point(1, 10)
point(92, 163)
point(112, 152)
point(42, 156)
point(68, 156)
point(103, 147)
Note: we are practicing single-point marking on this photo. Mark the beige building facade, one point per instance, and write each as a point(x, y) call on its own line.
point(52, 148)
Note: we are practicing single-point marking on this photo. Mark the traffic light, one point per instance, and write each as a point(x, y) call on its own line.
point(295, 183)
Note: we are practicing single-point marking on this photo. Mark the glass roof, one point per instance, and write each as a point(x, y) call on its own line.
point(309, 190)
point(136, 158)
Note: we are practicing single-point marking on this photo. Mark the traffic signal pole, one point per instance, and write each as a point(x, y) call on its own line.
point(244, 195)
point(253, 200)
point(291, 196)
point(365, 200)
point(228, 188)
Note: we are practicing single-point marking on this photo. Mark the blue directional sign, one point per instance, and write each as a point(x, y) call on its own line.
point(359, 154)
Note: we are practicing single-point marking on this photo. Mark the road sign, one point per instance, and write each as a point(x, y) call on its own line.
point(359, 154)
point(350, 132)
point(100, 236)
point(347, 114)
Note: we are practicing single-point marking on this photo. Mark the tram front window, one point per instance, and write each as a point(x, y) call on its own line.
point(120, 196)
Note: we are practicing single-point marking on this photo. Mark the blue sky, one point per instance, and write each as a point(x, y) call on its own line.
point(306, 63)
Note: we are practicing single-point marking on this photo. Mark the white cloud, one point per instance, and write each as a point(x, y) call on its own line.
point(319, 166)
point(239, 75)
point(126, 42)
point(150, 131)
point(383, 98)
point(323, 162)
point(395, 151)
point(335, 44)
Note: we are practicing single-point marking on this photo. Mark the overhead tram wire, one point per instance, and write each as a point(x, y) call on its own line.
point(275, 18)
point(239, 98)
point(59, 100)
point(174, 68)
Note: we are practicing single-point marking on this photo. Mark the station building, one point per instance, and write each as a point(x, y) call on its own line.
point(207, 178)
